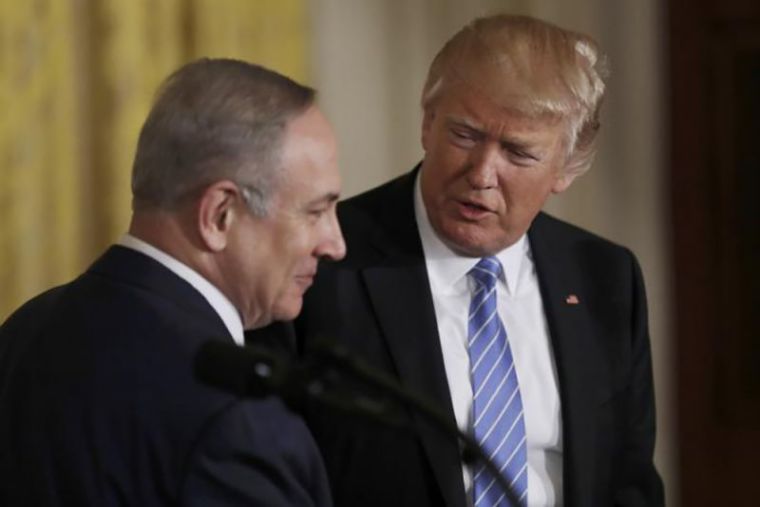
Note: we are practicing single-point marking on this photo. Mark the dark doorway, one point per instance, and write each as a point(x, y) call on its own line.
point(715, 186)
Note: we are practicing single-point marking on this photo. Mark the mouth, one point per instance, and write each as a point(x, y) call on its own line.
point(473, 210)
point(305, 281)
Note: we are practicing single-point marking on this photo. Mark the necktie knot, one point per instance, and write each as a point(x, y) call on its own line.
point(486, 272)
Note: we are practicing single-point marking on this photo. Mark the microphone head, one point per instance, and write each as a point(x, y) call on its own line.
point(242, 371)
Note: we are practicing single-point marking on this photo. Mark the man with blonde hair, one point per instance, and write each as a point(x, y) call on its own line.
point(234, 188)
point(529, 333)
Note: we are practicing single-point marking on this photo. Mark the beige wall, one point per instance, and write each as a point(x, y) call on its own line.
point(370, 58)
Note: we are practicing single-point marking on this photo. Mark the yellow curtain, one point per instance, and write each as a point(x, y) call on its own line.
point(76, 82)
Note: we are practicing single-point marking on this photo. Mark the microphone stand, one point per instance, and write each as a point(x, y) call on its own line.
point(326, 360)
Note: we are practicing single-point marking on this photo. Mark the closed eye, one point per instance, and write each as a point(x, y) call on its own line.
point(317, 213)
point(321, 206)
point(464, 137)
point(518, 154)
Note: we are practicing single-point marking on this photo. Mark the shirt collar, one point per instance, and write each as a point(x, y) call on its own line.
point(447, 269)
point(218, 301)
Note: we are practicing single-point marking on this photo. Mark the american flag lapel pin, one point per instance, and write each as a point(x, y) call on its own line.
point(572, 299)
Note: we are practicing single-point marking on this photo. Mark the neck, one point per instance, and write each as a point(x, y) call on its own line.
point(170, 233)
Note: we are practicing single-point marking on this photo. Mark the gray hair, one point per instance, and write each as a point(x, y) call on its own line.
point(530, 66)
point(215, 119)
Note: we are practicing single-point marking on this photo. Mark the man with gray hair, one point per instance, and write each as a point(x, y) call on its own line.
point(529, 333)
point(234, 186)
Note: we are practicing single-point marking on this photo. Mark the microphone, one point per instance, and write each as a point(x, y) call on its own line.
point(243, 371)
point(256, 372)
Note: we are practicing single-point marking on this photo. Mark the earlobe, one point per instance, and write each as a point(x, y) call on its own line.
point(562, 183)
point(216, 213)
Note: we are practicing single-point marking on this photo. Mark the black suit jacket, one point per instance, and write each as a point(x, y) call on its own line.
point(99, 405)
point(377, 302)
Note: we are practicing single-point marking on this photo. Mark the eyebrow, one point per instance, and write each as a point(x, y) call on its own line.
point(465, 122)
point(329, 197)
point(514, 142)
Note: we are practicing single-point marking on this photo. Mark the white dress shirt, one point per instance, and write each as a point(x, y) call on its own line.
point(521, 311)
point(218, 301)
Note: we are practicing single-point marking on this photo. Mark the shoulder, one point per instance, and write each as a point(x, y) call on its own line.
point(380, 224)
point(560, 230)
point(372, 205)
point(116, 341)
point(20, 332)
point(565, 239)
point(34, 312)
point(565, 254)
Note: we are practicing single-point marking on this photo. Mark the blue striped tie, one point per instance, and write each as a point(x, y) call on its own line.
point(497, 406)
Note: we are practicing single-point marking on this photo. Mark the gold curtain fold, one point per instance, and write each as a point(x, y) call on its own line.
point(270, 32)
point(41, 163)
point(76, 81)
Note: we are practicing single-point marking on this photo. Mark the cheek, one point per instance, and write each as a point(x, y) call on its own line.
point(289, 240)
point(527, 191)
point(445, 180)
point(298, 247)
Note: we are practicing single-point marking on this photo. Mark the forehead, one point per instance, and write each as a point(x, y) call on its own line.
point(309, 129)
point(462, 105)
point(308, 159)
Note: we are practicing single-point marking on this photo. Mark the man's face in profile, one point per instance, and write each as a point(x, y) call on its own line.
point(487, 171)
point(279, 253)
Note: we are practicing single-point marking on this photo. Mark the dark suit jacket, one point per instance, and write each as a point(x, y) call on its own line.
point(99, 405)
point(377, 303)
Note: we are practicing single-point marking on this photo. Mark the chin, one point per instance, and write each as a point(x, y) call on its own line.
point(473, 241)
point(288, 310)
point(465, 244)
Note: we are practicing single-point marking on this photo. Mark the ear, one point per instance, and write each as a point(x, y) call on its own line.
point(427, 125)
point(562, 182)
point(217, 210)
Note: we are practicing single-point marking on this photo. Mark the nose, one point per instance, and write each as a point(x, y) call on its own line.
point(332, 246)
point(483, 169)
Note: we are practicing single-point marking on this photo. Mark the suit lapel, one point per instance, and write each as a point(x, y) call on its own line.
point(400, 294)
point(576, 356)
